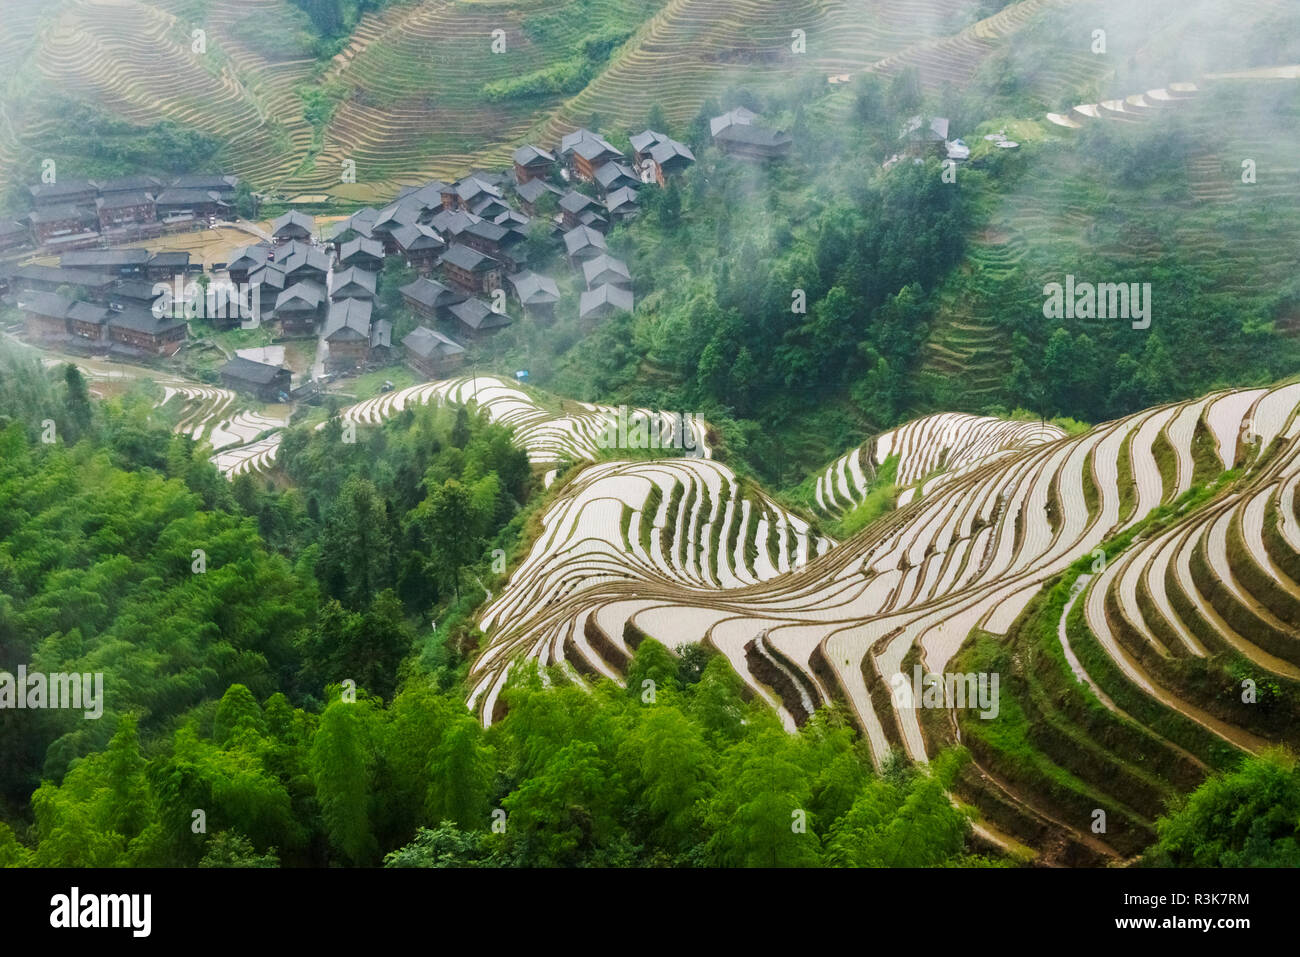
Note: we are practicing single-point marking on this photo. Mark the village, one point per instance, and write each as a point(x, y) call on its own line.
point(167, 278)
point(464, 246)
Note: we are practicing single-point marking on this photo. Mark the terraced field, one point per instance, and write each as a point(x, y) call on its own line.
point(950, 443)
point(410, 85)
point(1055, 216)
point(813, 625)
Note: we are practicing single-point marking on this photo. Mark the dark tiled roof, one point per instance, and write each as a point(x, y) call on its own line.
point(247, 370)
point(426, 342)
point(476, 314)
point(431, 293)
point(468, 259)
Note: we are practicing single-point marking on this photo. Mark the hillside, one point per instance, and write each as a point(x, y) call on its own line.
point(405, 98)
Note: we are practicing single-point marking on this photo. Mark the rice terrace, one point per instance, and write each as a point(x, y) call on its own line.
point(653, 434)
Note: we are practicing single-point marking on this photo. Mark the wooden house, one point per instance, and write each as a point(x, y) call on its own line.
point(270, 383)
point(583, 243)
point(430, 298)
point(88, 320)
point(124, 210)
point(293, 226)
point(477, 320)
point(537, 294)
point(602, 302)
point(586, 152)
point(603, 269)
point(419, 245)
point(347, 333)
point(363, 252)
point(432, 354)
point(163, 266)
point(299, 308)
point(353, 283)
point(471, 269)
point(64, 224)
point(45, 315)
point(533, 162)
point(115, 263)
point(140, 332)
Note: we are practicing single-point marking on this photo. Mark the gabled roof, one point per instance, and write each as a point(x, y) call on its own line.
point(143, 320)
point(353, 275)
point(214, 181)
point(427, 196)
point(604, 298)
point(310, 294)
point(575, 202)
point(129, 184)
point(582, 237)
point(124, 200)
point(534, 189)
point(181, 196)
point(534, 289)
point(671, 149)
point(404, 213)
point(300, 256)
point(529, 155)
point(431, 293)
point(88, 312)
point(468, 259)
point(619, 198)
point(295, 219)
point(476, 314)
point(44, 304)
point(381, 334)
point(363, 245)
point(255, 255)
point(415, 237)
point(452, 221)
point(428, 343)
point(737, 117)
point(472, 186)
point(348, 321)
point(590, 146)
point(754, 136)
point(485, 205)
point(52, 214)
point(99, 258)
point(139, 289)
point(360, 222)
point(52, 192)
point(512, 220)
point(935, 132)
point(58, 275)
point(486, 230)
point(269, 274)
point(252, 372)
point(605, 269)
point(614, 172)
point(642, 141)
point(170, 258)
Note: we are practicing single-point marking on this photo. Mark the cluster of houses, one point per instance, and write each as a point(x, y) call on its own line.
point(469, 241)
point(101, 301)
point(81, 213)
point(922, 137)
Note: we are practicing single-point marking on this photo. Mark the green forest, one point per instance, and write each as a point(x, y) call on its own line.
point(297, 698)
